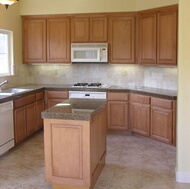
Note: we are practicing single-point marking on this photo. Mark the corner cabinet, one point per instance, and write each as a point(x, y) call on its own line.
point(55, 97)
point(89, 29)
point(163, 120)
point(158, 36)
point(140, 114)
point(122, 39)
point(118, 110)
point(46, 40)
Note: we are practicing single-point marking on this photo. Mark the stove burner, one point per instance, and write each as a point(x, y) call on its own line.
point(94, 84)
point(80, 84)
point(90, 85)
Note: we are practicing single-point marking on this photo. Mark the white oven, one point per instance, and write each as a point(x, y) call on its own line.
point(87, 94)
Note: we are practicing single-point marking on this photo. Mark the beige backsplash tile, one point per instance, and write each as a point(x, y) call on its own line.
point(150, 76)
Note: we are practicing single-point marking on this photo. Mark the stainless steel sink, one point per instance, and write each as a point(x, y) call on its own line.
point(11, 91)
point(14, 90)
point(6, 94)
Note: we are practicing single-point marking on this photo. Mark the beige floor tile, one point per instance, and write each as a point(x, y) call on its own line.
point(132, 162)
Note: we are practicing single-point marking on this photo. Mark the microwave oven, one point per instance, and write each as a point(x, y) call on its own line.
point(89, 52)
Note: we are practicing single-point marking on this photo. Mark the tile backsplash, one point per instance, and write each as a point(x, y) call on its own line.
point(158, 77)
point(149, 76)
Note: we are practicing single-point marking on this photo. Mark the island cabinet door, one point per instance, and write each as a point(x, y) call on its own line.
point(67, 152)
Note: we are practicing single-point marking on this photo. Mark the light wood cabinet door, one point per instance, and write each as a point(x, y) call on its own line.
point(20, 124)
point(58, 40)
point(147, 38)
point(34, 40)
point(89, 29)
point(140, 118)
point(118, 115)
point(122, 40)
point(40, 106)
point(163, 120)
point(167, 38)
point(98, 29)
point(80, 29)
point(31, 119)
point(55, 97)
point(161, 124)
point(53, 102)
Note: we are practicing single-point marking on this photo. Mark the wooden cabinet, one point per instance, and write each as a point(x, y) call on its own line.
point(46, 40)
point(27, 115)
point(75, 150)
point(167, 38)
point(140, 114)
point(118, 111)
point(54, 97)
point(40, 106)
point(34, 40)
point(147, 38)
point(89, 29)
point(58, 40)
point(20, 124)
point(24, 117)
point(122, 39)
point(163, 120)
point(158, 36)
point(98, 141)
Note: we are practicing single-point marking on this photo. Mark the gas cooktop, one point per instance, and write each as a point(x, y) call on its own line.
point(91, 85)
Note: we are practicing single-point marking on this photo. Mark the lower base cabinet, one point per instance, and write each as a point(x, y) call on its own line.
point(20, 124)
point(163, 120)
point(140, 114)
point(118, 110)
point(55, 97)
point(27, 115)
point(143, 115)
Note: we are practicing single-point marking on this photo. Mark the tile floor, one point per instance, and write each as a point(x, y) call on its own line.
point(132, 163)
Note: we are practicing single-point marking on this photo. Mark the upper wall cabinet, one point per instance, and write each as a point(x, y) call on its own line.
point(89, 29)
point(46, 40)
point(158, 36)
point(122, 39)
point(34, 40)
point(58, 40)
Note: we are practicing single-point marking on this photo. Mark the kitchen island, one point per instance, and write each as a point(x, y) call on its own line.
point(75, 143)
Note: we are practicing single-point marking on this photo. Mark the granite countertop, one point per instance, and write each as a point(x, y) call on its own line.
point(160, 93)
point(74, 109)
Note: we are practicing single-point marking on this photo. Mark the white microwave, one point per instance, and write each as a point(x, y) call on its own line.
point(89, 52)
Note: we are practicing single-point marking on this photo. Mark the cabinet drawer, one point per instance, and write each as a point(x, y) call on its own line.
point(57, 94)
point(162, 103)
point(140, 98)
point(24, 101)
point(39, 96)
point(118, 96)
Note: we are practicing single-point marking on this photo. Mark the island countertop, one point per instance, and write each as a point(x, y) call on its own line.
point(74, 109)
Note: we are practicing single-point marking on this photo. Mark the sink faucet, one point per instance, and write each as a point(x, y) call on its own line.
point(3, 83)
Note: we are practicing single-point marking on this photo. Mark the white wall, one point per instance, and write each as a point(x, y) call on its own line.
point(183, 113)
